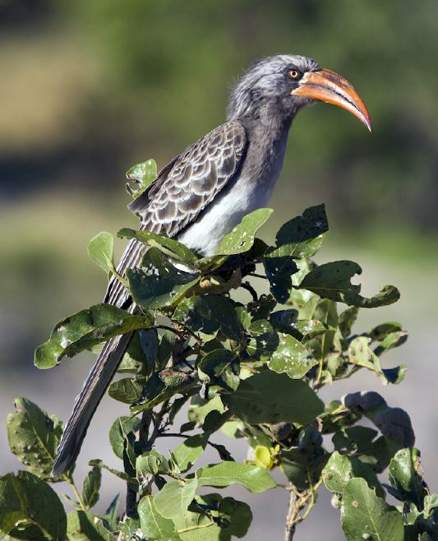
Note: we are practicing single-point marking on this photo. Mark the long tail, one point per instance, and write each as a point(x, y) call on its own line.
point(87, 401)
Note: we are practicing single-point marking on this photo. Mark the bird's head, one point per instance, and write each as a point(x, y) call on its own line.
point(285, 83)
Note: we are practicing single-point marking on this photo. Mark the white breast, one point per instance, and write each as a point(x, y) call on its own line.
point(224, 213)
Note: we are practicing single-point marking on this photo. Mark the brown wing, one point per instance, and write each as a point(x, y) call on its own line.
point(183, 189)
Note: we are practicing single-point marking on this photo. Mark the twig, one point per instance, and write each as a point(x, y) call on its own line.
point(292, 511)
point(69, 479)
point(250, 289)
point(178, 333)
point(300, 505)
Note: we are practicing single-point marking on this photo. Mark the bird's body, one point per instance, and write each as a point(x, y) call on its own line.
point(207, 189)
point(260, 168)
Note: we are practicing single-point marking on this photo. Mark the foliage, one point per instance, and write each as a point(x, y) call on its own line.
point(248, 366)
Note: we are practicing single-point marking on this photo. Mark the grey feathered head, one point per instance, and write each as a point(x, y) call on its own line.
point(280, 85)
point(267, 80)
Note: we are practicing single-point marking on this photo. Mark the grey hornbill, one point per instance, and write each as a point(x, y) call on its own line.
point(206, 190)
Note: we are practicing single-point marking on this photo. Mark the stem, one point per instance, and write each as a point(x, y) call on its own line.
point(291, 518)
point(300, 505)
point(76, 492)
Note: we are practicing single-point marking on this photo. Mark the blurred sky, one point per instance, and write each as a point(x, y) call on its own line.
point(90, 87)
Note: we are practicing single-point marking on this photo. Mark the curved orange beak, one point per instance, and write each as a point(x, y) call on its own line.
point(328, 86)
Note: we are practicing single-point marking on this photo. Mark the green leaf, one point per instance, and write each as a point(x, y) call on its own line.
point(211, 313)
point(333, 281)
point(84, 526)
point(33, 437)
point(170, 247)
point(340, 469)
point(216, 519)
point(84, 330)
point(145, 172)
point(153, 525)
point(119, 431)
point(175, 497)
point(158, 282)
point(187, 453)
point(404, 476)
point(151, 463)
point(242, 237)
point(200, 409)
point(279, 270)
point(347, 319)
point(101, 251)
point(91, 487)
point(366, 516)
point(30, 509)
point(220, 367)
point(264, 340)
point(237, 515)
point(126, 390)
point(141, 175)
point(337, 472)
point(291, 357)
point(250, 476)
point(360, 353)
point(129, 529)
point(302, 236)
point(268, 397)
point(263, 457)
point(430, 504)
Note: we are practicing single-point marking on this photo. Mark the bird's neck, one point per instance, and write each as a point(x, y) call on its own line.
point(267, 134)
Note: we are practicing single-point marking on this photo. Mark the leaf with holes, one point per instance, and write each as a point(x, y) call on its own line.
point(242, 237)
point(33, 437)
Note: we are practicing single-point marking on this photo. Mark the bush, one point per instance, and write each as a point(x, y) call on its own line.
point(251, 369)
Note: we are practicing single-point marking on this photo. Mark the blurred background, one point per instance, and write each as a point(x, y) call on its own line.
point(90, 87)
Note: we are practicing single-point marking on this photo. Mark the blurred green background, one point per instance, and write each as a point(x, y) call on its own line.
point(92, 86)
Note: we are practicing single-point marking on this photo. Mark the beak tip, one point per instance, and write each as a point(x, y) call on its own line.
point(369, 125)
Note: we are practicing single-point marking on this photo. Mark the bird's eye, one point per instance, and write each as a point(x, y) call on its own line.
point(294, 74)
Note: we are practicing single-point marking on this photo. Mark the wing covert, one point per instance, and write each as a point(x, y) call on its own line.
point(183, 189)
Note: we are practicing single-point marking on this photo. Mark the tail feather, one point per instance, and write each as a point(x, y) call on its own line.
point(87, 401)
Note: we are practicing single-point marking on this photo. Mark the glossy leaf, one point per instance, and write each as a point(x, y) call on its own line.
point(151, 463)
point(279, 270)
point(268, 397)
point(242, 237)
point(101, 251)
point(340, 469)
point(141, 175)
point(175, 497)
point(126, 390)
point(170, 247)
point(405, 478)
point(366, 516)
point(153, 525)
point(291, 357)
point(302, 236)
point(119, 431)
point(158, 282)
point(91, 487)
point(216, 519)
point(33, 437)
point(84, 526)
point(333, 281)
point(30, 509)
point(187, 453)
point(84, 330)
point(251, 476)
point(210, 314)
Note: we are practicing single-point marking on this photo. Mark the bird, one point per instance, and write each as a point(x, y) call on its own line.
point(202, 193)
